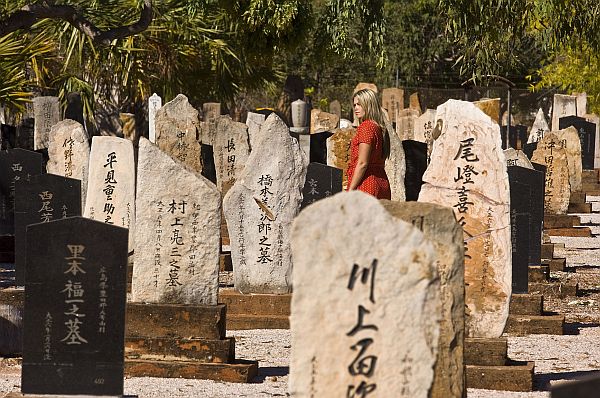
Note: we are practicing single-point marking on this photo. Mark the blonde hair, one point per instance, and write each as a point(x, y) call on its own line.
point(373, 111)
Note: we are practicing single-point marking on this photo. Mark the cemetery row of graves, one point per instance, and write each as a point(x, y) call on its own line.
point(112, 250)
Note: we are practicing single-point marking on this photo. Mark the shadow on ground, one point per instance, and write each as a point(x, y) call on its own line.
point(271, 371)
point(542, 380)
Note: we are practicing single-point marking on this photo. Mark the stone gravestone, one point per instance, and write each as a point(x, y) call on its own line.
point(405, 123)
point(74, 109)
point(322, 121)
point(490, 107)
point(439, 225)
point(318, 147)
point(593, 118)
point(416, 164)
point(517, 136)
point(563, 105)
point(154, 104)
point(395, 166)
point(231, 150)
point(520, 222)
point(321, 182)
point(424, 126)
point(338, 150)
point(468, 173)
point(44, 198)
point(69, 153)
point(336, 108)
point(515, 157)
point(74, 323)
point(254, 121)
point(380, 277)
point(111, 183)
point(47, 114)
point(569, 140)
point(415, 103)
point(176, 128)
point(553, 155)
point(539, 127)
point(581, 102)
point(177, 238)
point(260, 207)
point(587, 138)
point(211, 111)
point(392, 100)
point(15, 165)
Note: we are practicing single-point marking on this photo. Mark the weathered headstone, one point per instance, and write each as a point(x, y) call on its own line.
point(539, 127)
point(468, 173)
point(405, 123)
point(154, 104)
point(362, 86)
point(336, 108)
point(211, 110)
point(380, 273)
point(392, 100)
point(47, 114)
point(515, 157)
point(553, 155)
point(587, 137)
point(490, 107)
point(338, 150)
point(74, 323)
point(415, 153)
point(581, 102)
point(395, 166)
point(322, 121)
point(15, 165)
point(424, 126)
point(439, 226)
point(69, 153)
point(111, 183)
point(74, 109)
point(176, 128)
point(177, 238)
point(517, 136)
point(254, 121)
point(230, 151)
point(44, 198)
point(569, 140)
point(414, 103)
point(563, 105)
point(321, 182)
point(520, 222)
point(260, 208)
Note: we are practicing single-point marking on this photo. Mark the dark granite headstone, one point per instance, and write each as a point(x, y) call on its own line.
point(517, 136)
point(74, 110)
point(15, 165)
point(321, 181)
point(44, 198)
point(25, 137)
point(587, 387)
point(587, 136)
point(520, 221)
point(74, 316)
point(528, 149)
point(318, 147)
point(415, 154)
point(9, 136)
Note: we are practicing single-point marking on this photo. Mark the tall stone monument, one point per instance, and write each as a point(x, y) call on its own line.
point(392, 100)
point(380, 274)
point(569, 140)
point(47, 114)
point(260, 207)
point(468, 173)
point(154, 104)
point(230, 150)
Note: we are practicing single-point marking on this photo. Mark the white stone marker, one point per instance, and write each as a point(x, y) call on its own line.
point(176, 128)
point(515, 157)
point(468, 173)
point(260, 207)
point(178, 232)
point(366, 305)
point(395, 166)
point(230, 151)
point(581, 104)
point(563, 105)
point(254, 121)
point(111, 183)
point(69, 153)
point(539, 127)
point(154, 104)
point(569, 139)
point(47, 113)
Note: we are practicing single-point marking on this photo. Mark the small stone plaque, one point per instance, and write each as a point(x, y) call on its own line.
point(45, 198)
point(587, 136)
point(15, 165)
point(520, 221)
point(517, 136)
point(321, 181)
point(416, 164)
point(74, 324)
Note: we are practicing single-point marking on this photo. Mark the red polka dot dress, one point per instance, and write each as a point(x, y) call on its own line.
point(375, 181)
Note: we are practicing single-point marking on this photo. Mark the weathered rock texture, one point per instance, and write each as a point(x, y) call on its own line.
point(177, 240)
point(380, 277)
point(338, 150)
point(260, 207)
point(254, 121)
point(468, 173)
point(569, 140)
point(69, 153)
point(230, 150)
point(553, 155)
point(322, 121)
point(424, 126)
point(490, 107)
point(439, 225)
point(47, 113)
point(177, 127)
point(539, 127)
point(515, 157)
point(154, 104)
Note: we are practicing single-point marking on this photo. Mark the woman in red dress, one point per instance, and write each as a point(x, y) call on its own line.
point(369, 148)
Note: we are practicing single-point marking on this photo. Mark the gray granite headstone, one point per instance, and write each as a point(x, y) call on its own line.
point(321, 182)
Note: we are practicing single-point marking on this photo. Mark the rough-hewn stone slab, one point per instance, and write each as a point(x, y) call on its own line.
point(486, 351)
point(517, 377)
point(203, 350)
point(523, 325)
point(239, 372)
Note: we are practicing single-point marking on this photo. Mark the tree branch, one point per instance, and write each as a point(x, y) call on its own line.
point(30, 14)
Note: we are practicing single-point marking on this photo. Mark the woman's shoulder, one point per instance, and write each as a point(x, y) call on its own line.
point(369, 124)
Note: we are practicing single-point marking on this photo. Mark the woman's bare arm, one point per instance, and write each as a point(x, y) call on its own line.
point(364, 154)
